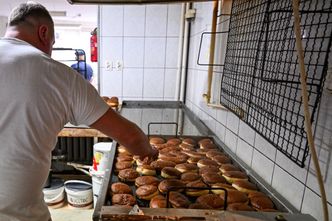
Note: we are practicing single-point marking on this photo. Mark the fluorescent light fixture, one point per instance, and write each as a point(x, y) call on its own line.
point(58, 13)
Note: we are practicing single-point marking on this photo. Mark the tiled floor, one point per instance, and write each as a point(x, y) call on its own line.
point(69, 214)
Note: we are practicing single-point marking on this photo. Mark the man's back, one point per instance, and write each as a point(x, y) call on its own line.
point(84, 69)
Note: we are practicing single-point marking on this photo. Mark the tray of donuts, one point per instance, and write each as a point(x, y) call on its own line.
point(190, 172)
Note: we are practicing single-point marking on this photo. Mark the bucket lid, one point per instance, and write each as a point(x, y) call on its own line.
point(77, 185)
point(103, 146)
point(55, 184)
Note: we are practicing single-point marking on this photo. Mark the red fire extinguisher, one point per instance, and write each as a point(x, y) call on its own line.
point(94, 46)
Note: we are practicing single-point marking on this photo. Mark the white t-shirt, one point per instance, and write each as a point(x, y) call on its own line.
point(38, 96)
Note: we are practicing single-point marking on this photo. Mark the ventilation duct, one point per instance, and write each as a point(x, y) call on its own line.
point(130, 1)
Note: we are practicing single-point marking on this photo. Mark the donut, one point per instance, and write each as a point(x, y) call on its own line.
point(156, 140)
point(119, 187)
point(189, 177)
point(212, 200)
point(178, 200)
point(209, 169)
point(221, 185)
point(199, 206)
point(206, 162)
point(128, 175)
point(235, 196)
point(213, 153)
point(147, 180)
point(244, 186)
point(228, 167)
point(121, 165)
point(160, 164)
point(220, 159)
point(174, 141)
point(170, 173)
point(186, 167)
point(261, 203)
point(189, 141)
point(212, 178)
point(146, 170)
point(158, 201)
point(205, 140)
point(197, 192)
point(169, 184)
point(232, 176)
point(147, 192)
point(123, 199)
point(239, 207)
point(208, 146)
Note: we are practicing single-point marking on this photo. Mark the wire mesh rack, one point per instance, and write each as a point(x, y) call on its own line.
point(261, 76)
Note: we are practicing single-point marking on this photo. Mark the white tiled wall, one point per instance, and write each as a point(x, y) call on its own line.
point(144, 39)
point(295, 184)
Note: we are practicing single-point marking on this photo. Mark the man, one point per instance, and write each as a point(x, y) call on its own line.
point(81, 66)
point(38, 96)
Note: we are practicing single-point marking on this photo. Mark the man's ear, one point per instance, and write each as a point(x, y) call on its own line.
point(43, 34)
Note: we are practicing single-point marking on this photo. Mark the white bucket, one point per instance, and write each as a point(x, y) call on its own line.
point(97, 180)
point(79, 194)
point(54, 195)
point(101, 153)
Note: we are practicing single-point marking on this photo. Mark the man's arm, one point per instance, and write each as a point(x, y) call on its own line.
point(126, 133)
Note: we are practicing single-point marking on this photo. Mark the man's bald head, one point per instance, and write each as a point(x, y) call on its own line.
point(32, 23)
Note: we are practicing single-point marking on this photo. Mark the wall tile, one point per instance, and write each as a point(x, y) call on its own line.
point(265, 147)
point(173, 23)
point(231, 140)
point(170, 84)
point(233, 122)
point(156, 19)
point(133, 53)
point(154, 53)
point(244, 151)
point(111, 50)
point(153, 83)
point(222, 116)
point(291, 167)
point(288, 187)
point(220, 131)
point(246, 133)
point(134, 20)
point(172, 51)
point(111, 20)
point(312, 205)
point(112, 83)
point(133, 79)
point(262, 166)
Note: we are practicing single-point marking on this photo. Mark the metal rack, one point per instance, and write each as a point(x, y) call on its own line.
point(261, 76)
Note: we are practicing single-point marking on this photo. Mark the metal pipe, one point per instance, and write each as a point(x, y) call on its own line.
point(180, 53)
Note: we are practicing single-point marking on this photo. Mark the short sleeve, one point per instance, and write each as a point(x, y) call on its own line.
point(86, 104)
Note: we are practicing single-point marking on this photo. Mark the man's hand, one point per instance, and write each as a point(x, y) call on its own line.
point(153, 155)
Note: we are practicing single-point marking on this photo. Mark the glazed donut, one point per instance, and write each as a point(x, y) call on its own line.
point(189, 141)
point(228, 167)
point(121, 165)
point(186, 167)
point(235, 196)
point(232, 176)
point(221, 185)
point(212, 178)
point(146, 170)
point(123, 199)
point(209, 169)
point(147, 180)
point(119, 187)
point(189, 177)
point(212, 200)
point(147, 192)
point(219, 159)
point(128, 175)
point(160, 164)
point(174, 141)
point(158, 201)
point(197, 192)
point(156, 140)
point(166, 185)
point(170, 173)
point(206, 162)
point(244, 186)
point(178, 200)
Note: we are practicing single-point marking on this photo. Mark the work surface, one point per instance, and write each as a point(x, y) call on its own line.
point(67, 214)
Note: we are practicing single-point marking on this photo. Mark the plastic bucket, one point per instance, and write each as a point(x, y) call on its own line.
point(97, 180)
point(101, 153)
point(54, 195)
point(79, 194)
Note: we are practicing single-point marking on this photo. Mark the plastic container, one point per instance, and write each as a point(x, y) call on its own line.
point(97, 180)
point(101, 153)
point(79, 194)
point(54, 195)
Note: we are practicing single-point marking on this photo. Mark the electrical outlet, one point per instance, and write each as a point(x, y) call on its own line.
point(109, 66)
point(118, 65)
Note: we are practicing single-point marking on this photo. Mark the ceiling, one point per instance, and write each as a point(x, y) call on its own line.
point(83, 16)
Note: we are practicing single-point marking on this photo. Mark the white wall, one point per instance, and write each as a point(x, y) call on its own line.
point(3, 21)
point(144, 39)
point(295, 184)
